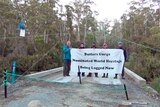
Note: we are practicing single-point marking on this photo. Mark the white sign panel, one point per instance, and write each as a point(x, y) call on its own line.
point(22, 32)
point(99, 61)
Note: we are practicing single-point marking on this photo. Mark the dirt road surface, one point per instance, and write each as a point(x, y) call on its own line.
point(90, 94)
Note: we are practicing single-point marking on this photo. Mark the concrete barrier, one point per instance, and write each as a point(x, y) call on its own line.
point(46, 73)
point(139, 80)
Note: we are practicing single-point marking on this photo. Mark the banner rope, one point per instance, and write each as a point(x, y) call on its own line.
point(68, 83)
point(39, 59)
point(147, 47)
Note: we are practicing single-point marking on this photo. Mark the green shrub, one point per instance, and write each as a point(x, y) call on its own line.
point(90, 38)
point(156, 84)
point(131, 61)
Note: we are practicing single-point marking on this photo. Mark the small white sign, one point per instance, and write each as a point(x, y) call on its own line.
point(22, 33)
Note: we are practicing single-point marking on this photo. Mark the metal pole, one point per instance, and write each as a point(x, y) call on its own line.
point(5, 88)
point(5, 82)
point(79, 74)
point(13, 71)
point(126, 92)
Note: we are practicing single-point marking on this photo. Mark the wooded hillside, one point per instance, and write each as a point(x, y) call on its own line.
point(48, 27)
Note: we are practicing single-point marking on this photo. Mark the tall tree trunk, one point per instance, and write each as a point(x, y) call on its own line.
point(33, 42)
point(4, 48)
point(45, 36)
point(4, 34)
point(78, 31)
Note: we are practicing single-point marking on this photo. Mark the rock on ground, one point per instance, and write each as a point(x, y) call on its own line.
point(34, 103)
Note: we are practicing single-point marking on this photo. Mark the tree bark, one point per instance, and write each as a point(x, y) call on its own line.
point(78, 31)
point(45, 36)
point(4, 48)
point(33, 42)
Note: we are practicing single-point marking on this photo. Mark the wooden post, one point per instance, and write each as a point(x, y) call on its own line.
point(79, 74)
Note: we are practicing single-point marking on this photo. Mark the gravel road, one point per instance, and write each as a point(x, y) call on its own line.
point(66, 95)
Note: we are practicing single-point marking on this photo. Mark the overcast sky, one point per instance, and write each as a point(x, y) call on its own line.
point(111, 9)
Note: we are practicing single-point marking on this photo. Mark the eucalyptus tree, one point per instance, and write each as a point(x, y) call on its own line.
point(141, 25)
point(81, 9)
point(69, 15)
point(39, 17)
point(8, 17)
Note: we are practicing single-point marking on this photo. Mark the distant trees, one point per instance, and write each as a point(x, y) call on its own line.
point(47, 24)
point(141, 26)
point(7, 18)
